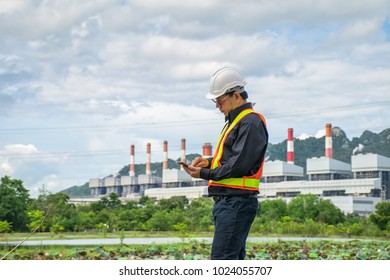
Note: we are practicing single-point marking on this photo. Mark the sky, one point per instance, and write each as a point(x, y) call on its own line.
point(81, 81)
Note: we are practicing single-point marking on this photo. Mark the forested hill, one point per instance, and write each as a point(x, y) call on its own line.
point(343, 148)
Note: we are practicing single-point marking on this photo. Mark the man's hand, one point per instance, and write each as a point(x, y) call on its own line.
point(200, 162)
point(194, 169)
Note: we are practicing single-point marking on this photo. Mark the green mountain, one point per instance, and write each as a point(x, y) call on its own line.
point(343, 148)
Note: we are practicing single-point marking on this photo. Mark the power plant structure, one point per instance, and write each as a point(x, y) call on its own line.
point(133, 187)
point(354, 188)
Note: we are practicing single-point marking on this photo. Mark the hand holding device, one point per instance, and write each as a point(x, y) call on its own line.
point(183, 163)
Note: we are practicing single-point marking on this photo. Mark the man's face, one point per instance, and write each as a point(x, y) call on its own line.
point(225, 103)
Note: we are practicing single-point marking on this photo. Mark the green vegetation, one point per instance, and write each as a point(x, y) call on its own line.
point(305, 215)
point(52, 216)
point(194, 250)
point(14, 201)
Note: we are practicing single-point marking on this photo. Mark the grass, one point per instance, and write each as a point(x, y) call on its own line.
point(7, 237)
point(4, 237)
point(190, 249)
point(194, 250)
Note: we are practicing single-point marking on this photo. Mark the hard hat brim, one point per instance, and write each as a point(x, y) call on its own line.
point(213, 96)
point(239, 89)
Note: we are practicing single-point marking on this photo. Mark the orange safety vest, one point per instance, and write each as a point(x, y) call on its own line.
point(247, 182)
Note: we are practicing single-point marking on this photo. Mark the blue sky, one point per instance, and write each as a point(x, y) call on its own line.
point(80, 81)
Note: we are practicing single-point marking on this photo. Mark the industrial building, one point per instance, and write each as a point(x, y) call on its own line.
point(173, 181)
point(354, 187)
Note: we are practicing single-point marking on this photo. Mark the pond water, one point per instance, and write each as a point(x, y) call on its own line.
point(156, 240)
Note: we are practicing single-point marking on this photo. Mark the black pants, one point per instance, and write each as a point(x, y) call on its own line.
point(233, 217)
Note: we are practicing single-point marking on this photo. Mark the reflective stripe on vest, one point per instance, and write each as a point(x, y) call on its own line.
point(246, 182)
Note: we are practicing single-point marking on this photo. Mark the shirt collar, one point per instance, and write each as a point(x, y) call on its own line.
point(234, 113)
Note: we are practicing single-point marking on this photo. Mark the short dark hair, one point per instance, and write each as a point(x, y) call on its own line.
point(240, 90)
point(244, 95)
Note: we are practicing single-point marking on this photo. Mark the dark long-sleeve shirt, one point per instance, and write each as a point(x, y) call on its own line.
point(243, 153)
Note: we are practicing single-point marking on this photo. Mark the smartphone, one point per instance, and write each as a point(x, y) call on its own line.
point(182, 163)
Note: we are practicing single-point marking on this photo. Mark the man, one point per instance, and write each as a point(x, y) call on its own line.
point(234, 171)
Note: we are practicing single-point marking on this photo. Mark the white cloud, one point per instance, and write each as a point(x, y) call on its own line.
point(20, 149)
point(10, 7)
point(36, 44)
point(82, 80)
point(50, 183)
point(304, 136)
point(5, 168)
point(358, 32)
point(27, 162)
point(320, 133)
point(11, 156)
point(48, 17)
point(87, 26)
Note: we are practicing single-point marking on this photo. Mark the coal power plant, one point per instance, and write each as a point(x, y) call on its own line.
point(354, 188)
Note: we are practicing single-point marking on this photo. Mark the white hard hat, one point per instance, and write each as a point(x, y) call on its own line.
point(225, 79)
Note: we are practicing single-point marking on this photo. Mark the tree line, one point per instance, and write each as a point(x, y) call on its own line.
point(307, 215)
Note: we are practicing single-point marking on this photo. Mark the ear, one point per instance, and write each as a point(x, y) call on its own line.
point(237, 95)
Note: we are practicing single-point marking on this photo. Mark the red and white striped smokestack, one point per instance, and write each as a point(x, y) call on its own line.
point(165, 159)
point(207, 150)
point(148, 159)
point(183, 152)
point(131, 169)
point(328, 141)
point(290, 146)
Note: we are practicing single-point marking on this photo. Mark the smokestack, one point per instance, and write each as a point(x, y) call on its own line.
point(131, 169)
point(165, 159)
point(290, 146)
point(328, 141)
point(207, 150)
point(148, 160)
point(183, 152)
